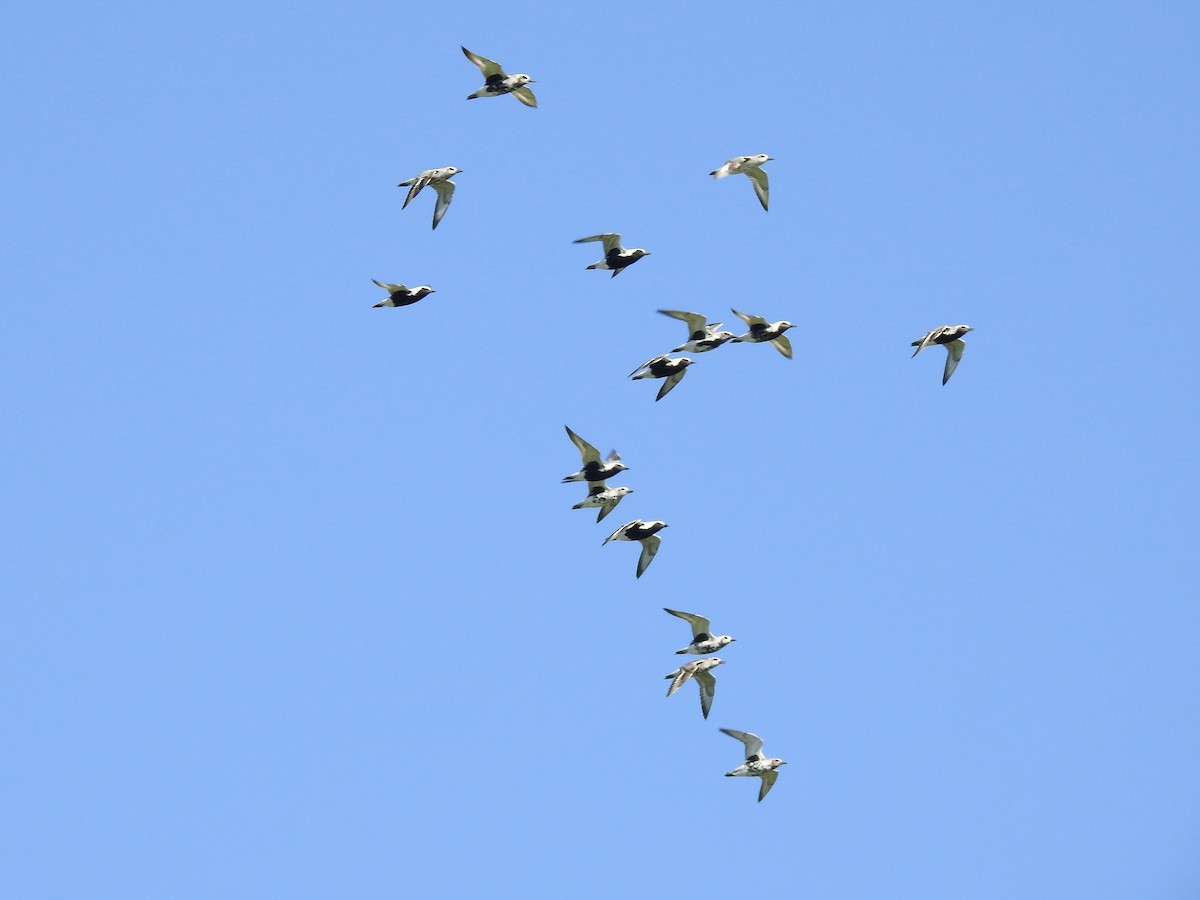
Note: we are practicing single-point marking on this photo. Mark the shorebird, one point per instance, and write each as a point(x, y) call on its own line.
point(698, 669)
point(602, 496)
point(762, 331)
point(616, 257)
point(749, 166)
point(702, 335)
point(663, 367)
point(496, 83)
point(399, 295)
point(950, 337)
point(645, 533)
point(593, 469)
point(756, 765)
point(703, 641)
point(438, 179)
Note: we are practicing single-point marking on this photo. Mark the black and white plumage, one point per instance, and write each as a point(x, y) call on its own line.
point(616, 257)
point(703, 640)
point(603, 497)
point(663, 366)
point(756, 765)
point(593, 469)
point(702, 335)
point(438, 179)
point(496, 83)
point(762, 331)
point(646, 533)
point(700, 671)
point(750, 166)
point(950, 337)
point(399, 295)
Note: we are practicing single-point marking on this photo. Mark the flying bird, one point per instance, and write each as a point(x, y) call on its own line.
point(496, 83)
point(644, 532)
point(703, 640)
point(602, 496)
point(399, 295)
point(663, 367)
point(698, 669)
point(593, 469)
point(950, 337)
point(756, 765)
point(761, 331)
point(750, 166)
point(702, 335)
point(616, 257)
point(438, 179)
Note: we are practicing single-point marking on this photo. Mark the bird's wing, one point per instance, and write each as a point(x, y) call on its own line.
point(783, 345)
point(610, 240)
point(486, 66)
point(390, 288)
point(649, 548)
point(924, 342)
point(525, 95)
point(954, 352)
point(696, 323)
point(613, 536)
point(445, 192)
point(700, 625)
point(586, 450)
point(749, 319)
point(415, 185)
point(758, 177)
point(608, 507)
point(647, 364)
point(708, 688)
point(669, 384)
point(768, 782)
point(752, 741)
point(682, 674)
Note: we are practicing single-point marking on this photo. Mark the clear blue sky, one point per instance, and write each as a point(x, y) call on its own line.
point(297, 606)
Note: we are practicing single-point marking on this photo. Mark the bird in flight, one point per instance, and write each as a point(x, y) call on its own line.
point(616, 257)
point(699, 670)
point(751, 167)
point(496, 83)
point(756, 765)
point(950, 337)
point(399, 295)
point(439, 180)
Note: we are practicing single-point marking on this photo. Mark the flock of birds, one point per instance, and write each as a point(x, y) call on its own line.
point(703, 336)
point(595, 472)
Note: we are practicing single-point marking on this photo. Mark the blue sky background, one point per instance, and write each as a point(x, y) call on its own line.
point(297, 604)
